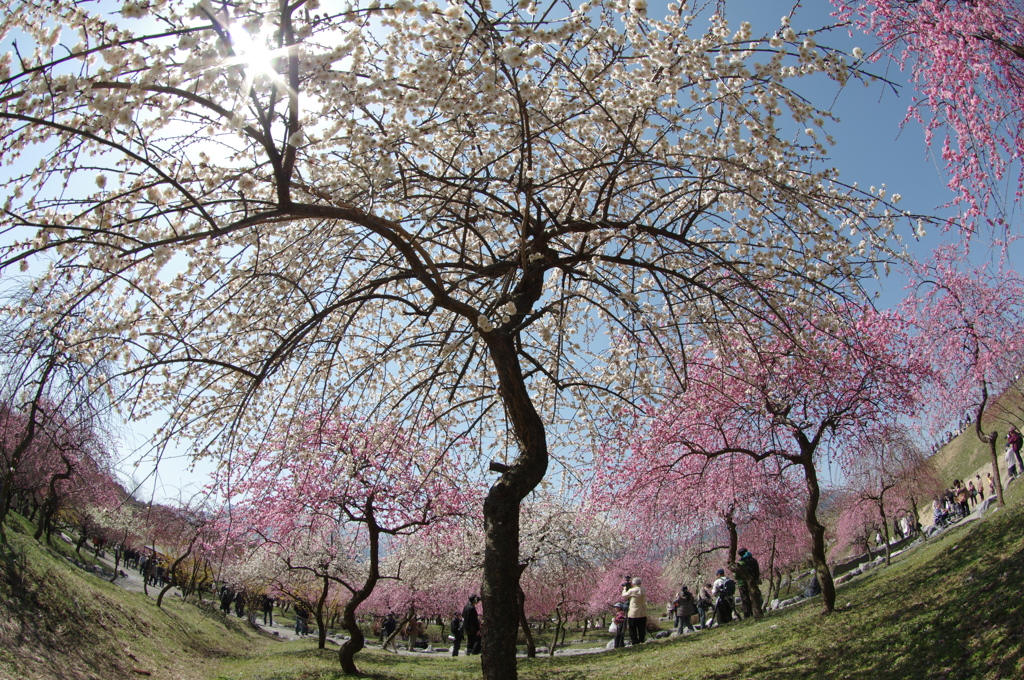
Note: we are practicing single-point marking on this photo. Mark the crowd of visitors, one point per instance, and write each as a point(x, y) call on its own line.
point(713, 605)
point(958, 501)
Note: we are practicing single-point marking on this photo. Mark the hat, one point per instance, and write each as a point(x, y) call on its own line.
point(720, 572)
point(619, 605)
point(742, 550)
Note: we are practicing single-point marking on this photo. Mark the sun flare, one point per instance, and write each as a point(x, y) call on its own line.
point(253, 53)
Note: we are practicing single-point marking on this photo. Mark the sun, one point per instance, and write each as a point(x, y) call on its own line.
point(253, 53)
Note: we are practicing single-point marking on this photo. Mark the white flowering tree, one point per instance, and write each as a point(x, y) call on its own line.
point(257, 208)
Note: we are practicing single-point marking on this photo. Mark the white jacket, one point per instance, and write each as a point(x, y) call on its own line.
point(637, 602)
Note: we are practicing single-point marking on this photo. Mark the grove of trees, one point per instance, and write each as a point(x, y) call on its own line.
point(506, 298)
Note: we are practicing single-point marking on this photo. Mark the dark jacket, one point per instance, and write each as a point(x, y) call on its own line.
point(470, 619)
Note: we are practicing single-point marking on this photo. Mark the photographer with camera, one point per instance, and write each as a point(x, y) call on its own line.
point(636, 616)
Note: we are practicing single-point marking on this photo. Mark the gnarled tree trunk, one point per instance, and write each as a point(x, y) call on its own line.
point(501, 513)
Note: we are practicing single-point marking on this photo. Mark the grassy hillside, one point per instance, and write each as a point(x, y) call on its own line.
point(57, 621)
point(965, 456)
point(950, 608)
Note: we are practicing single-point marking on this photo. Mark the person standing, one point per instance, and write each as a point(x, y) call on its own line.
point(723, 590)
point(1011, 465)
point(227, 596)
point(456, 633)
point(684, 607)
point(636, 616)
point(471, 624)
point(705, 603)
point(748, 580)
point(1014, 440)
point(620, 625)
point(268, 610)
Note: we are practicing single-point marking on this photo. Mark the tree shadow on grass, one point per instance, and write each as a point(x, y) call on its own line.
point(959, 616)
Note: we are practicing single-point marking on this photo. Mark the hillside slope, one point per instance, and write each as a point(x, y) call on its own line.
point(57, 621)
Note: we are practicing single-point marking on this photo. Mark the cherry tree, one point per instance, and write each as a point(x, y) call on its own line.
point(53, 416)
point(324, 494)
point(966, 59)
point(882, 480)
point(968, 321)
point(564, 545)
point(796, 397)
point(425, 209)
point(695, 508)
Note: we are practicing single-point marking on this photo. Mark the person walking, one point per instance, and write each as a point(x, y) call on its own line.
point(456, 633)
point(240, 603)
point(471, 624)
point(301, 619)
point(636, 616)
point(387, 628)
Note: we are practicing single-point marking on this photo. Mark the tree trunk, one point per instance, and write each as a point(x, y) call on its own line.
point(501, 513)
point(49, 506)
point(885, 530)
point(558, 629)
point(992, 437)
point(989, 438)
point(14, 461)
point(915, 519)
point(318, 613)
point(817, 531)
point(172, 572)
point(117, 563)
point(356, 640)
point(524, 623)
point(730, 524)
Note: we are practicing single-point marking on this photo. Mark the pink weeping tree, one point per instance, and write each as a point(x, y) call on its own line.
point(966, 59)
point(699, 508)
point(797, 398)
point(328, 495)
point(968, 322)
point(886, 477)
